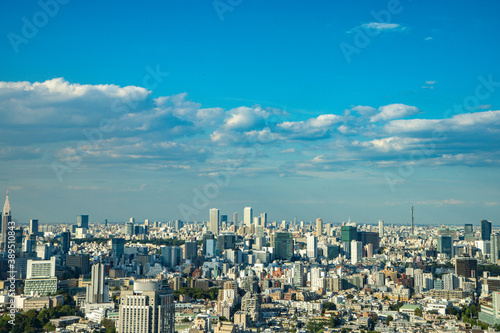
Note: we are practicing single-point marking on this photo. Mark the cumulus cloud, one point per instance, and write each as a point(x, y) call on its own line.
point(394, 111)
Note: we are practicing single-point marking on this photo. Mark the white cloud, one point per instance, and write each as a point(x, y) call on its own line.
point(380, 27)
point(394, 111)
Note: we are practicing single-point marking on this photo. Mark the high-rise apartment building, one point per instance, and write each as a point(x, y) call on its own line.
point(248, 216)
point(214, 221)
point(356, 252)
point(319, 227)
point(98, 290)
point(312, 246)
point(147, 309)
point(380, 228)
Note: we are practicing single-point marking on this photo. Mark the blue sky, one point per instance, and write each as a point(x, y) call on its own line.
point(332, 110)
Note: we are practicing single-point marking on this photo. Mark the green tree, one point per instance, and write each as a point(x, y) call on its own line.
point(418, 312)
point(388, 319)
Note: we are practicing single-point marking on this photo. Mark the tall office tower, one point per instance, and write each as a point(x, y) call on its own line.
point(412, 224)
point(223, 219)
point(380, 228)
point(105, 223)
point(33, 227)
point(485, 230)
point(82, 221)
point(147, 309)
point(129, 228)
point(495, 248)
point(171, 256)
point(65, 241)
point(319, 227)
point(468, 231)
point(312, 246)
point(98, 290)
point(298, 274)
point(256, 221)
point(348, 234)
point(41, 277)
point(295, 222)
point(263, 219)
point(356, 252)
point(6, 218)
point(235, 220)
point(214, 221)
point(190, 250)
point(205, 238)
point(117, 249)
point(283, 245)
point(248, 216)
point(466, 267)
point(317, 279)
point(445, 245)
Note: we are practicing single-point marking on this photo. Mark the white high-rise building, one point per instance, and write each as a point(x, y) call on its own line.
point(312, 246)
point(263, 219)
point(214, 221)
point(98, 290)
point(41, 277)
point(248, 216)
point(235, 220)
point(380, 228)
point(356, 252)
point(256, 221)
point(317, 279)
point(146, 309)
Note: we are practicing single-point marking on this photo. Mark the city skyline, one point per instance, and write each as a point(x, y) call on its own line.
point(330, 110)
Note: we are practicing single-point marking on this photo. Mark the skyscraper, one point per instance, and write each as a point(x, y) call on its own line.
point(380, 228)
point(33, 227)
point(263, 219)
point(356, 252)
point(445, 245)
point(283, 245)
point(319, 227)
point(190, 250)
point(248, 216)
point(485, 230)
point(6, 218)
point(214, 221)
point(312, 246)
point(348, 234)
point(235, 219)
point(117, 248)
point(98, 290)
point(82, 221)
point(495, 248)
point(147, 309)
point(65, 241)
point(298, 274)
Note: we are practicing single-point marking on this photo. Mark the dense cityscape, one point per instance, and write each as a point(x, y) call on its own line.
point(249, 274)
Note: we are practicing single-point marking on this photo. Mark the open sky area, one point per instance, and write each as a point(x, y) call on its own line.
point(162, 110)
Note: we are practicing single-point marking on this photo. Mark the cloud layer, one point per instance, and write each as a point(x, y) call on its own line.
point(112, 125)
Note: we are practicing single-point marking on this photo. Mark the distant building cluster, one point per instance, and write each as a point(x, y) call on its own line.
point(224, 275)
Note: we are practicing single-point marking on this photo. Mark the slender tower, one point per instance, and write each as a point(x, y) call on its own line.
point(412, 225)
point(6, 218)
